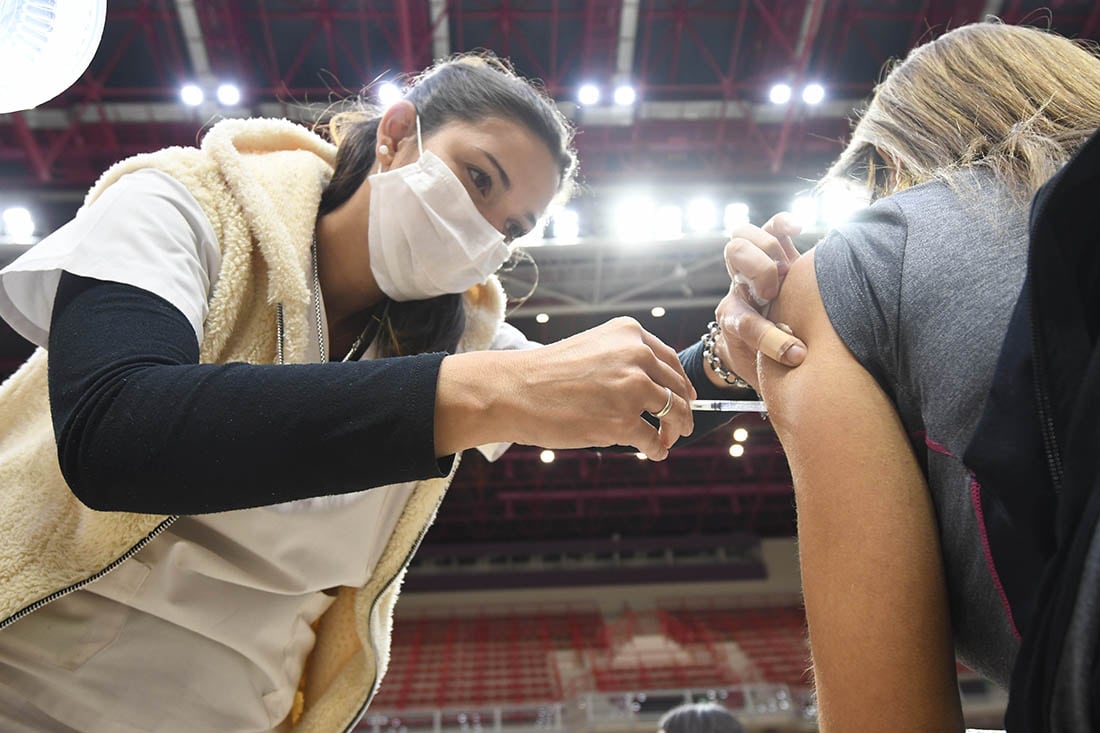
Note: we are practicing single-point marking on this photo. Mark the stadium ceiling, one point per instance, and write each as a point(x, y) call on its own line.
point(702, 70)
point(702, 123)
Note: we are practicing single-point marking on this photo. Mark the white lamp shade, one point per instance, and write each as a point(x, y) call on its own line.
point(45, 45)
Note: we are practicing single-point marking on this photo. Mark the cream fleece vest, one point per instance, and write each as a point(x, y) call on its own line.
point(259, 182)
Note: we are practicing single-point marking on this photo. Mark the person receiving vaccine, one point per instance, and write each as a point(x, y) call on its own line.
point(259, 362)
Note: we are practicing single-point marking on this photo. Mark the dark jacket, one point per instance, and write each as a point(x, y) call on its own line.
point(1037, 456)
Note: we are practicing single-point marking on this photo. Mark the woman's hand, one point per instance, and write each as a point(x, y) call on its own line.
point(584, 391)
point(758, 259)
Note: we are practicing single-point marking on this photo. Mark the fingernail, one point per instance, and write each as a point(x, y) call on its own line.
point(795, 355)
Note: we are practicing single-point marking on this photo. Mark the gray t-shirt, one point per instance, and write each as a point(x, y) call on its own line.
point(921, 287)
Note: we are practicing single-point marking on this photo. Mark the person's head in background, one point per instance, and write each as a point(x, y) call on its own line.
point(1014, 100)
point(699, 717)
point(504, 140)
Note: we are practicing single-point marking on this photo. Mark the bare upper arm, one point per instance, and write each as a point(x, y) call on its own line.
point(876, 599)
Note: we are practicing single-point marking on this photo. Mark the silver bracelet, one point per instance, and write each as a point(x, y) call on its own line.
point(711, 358)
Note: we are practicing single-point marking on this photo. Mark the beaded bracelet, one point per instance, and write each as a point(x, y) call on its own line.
point(711, 358)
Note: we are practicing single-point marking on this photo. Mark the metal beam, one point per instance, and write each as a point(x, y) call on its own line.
point(54, 118)
point(441, 29)
point(628, 35)
point(193, 38)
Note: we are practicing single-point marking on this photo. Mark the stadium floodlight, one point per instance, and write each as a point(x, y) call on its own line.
point(18, 224)
point(839, 202)
point(388, 93)
point(702, 215)
point(588, 94)
point(625, 95)
point(566, 226)
point(229, 95)
point(813, 94)
point(805, 210)
point(191, 95)
point(633, 219)
point(735, 215)
point(668, 222)
point(780, 93)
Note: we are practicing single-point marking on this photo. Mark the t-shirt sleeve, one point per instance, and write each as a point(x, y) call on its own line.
point(146, 230)
point(859, 270)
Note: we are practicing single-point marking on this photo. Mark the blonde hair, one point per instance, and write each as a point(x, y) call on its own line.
point(1014, 100)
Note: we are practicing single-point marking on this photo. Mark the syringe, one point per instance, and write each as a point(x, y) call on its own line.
point(727, 406)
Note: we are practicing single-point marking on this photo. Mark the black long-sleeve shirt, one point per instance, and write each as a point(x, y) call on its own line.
point(141, 426)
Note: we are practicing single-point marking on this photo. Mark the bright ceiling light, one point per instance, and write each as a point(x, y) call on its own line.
point(839, 202)
point(542, 318)
point(566, 226)
point(625, 95)
point(547, 456)
point(388, 93)
point(588, 94)
point(657, 311)
point(813, 94)
point(229, 95)
point(18, 224)
point(780, 94)
point(669, 222)
point(641, 456)
point(737, 450)
point(734, 216)
point(191, 95)
point(740, 435)
point(45, 45)
point(633, 219)
point(702, 215)
point(804, 209)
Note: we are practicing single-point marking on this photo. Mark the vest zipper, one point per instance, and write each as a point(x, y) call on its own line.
point(92, 578)
point(374, 603)
point(1046, 416)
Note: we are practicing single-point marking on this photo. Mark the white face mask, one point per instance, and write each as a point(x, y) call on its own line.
point(426, 236)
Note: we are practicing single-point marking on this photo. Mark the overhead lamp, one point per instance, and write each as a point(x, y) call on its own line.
point(804, 209)
point(542, 318)
point(388, 93)
point(839, 202)
point(547, 456)
point(740, 435)
point(191, 95)
point(18, 224)
point(625, 95)
point(780, 93)
point(633, 218)
point(813, 94)
point(657, 311)
point(737, 450)
point(588, 94)
point(702, 215)
point(45, 45)
point(566, 226)
point(735, 215)
point(641, 456)
point(669, 222)
point(229, 95)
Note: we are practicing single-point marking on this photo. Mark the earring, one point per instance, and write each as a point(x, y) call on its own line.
point(383, 149)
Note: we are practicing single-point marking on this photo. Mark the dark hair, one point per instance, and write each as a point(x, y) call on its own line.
point(469, 88)
point(701, 717)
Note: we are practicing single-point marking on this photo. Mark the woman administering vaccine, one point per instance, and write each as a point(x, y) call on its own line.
point(186, 542)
